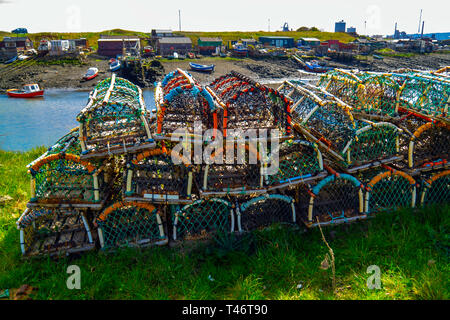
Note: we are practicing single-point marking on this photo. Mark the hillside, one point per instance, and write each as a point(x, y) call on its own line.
point(92, 37)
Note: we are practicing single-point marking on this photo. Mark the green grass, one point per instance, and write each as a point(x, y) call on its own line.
point(410, 247)
point(236, 35)
point(392, 53)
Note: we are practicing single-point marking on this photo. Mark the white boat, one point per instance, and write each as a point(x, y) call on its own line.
point(114, 66)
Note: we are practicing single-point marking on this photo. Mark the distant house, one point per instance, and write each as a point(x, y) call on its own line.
point(59, 47)
point(209, 46)
point(167, 46)
point(247, 42)
point(19, 43)
point(279, 42)
point(111, 46)
point(309, 42)
point(159, 33)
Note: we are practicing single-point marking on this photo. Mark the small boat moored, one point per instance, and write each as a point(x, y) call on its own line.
point(91, 74)
point(114, 66)
point(28, 91)
point(11, 60)
point(202, 67)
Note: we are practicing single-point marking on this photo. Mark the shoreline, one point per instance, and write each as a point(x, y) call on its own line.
point(269, 71)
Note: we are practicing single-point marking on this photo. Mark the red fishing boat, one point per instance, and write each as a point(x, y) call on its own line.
point(28, 91)
point(91, 74)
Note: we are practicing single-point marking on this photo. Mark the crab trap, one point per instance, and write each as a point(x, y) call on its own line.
point(390, 190)
point(184, 107)
point(202, 218)
point(131, 224)
point(329, 122)
point(64, 179)
point(339, 198)
point(436, 189)
point(152, 176)
point(263, 211)
point(388, 93)
point(55, 231)
point(231, 172)
point(250, 105)
point(293, 162)
point(115, 120)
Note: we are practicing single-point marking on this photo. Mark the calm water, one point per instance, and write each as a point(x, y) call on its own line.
point(28, 123)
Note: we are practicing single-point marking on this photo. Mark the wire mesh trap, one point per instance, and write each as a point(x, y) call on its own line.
point(202, 218)
point(429, 146)
point(265, 210)
point(390, 190)
point(235, 174)
point(250, 105)
point(339, 198)
point(130, 224)
point(65, 178)
point(181, 103)
point(115, 120)
point(436, 189)
point(54, 231)
point(153, 176)
point(298, 161)
point(351, 143)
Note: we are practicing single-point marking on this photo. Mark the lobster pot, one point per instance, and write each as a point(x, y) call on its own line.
point(436, 190)
point(424, 94)
point(130, 224)
point(378, 94)
point(341, 84)
point(335, 199)
point(390, 190)
point(183, 106)
point(231, 172)
point(250, 105)
point(265, 210)
point(429, 146)
point(373, 142)
point(188, 107)
point(203, 217)
point(54, 231)
point(65, 178)
point(115, 120)
point(293, 162)
point(153, 176)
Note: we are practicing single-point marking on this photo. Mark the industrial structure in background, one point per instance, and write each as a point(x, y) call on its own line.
point(339, 26)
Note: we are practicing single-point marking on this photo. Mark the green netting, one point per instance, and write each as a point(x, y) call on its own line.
point(64, 180)
point(336, 199)
point(266, 210)
point(390, 193)
point(53, 231)
point(118, 122)
point(438, 192)
point(377, 143)
point(202, 218)
point(297, 160)
point(130, 226)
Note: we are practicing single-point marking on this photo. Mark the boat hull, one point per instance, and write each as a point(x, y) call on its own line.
point(16, 94)
point(202, 68)
point(87, 78)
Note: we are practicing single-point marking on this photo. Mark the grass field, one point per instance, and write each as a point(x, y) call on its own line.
point(410, 247)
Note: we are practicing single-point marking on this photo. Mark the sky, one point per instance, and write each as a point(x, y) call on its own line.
point(226, 15)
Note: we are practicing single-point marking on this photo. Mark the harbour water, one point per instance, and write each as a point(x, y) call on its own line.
point(29, 123)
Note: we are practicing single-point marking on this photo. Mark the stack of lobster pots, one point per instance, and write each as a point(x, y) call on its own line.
point(351, 146)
